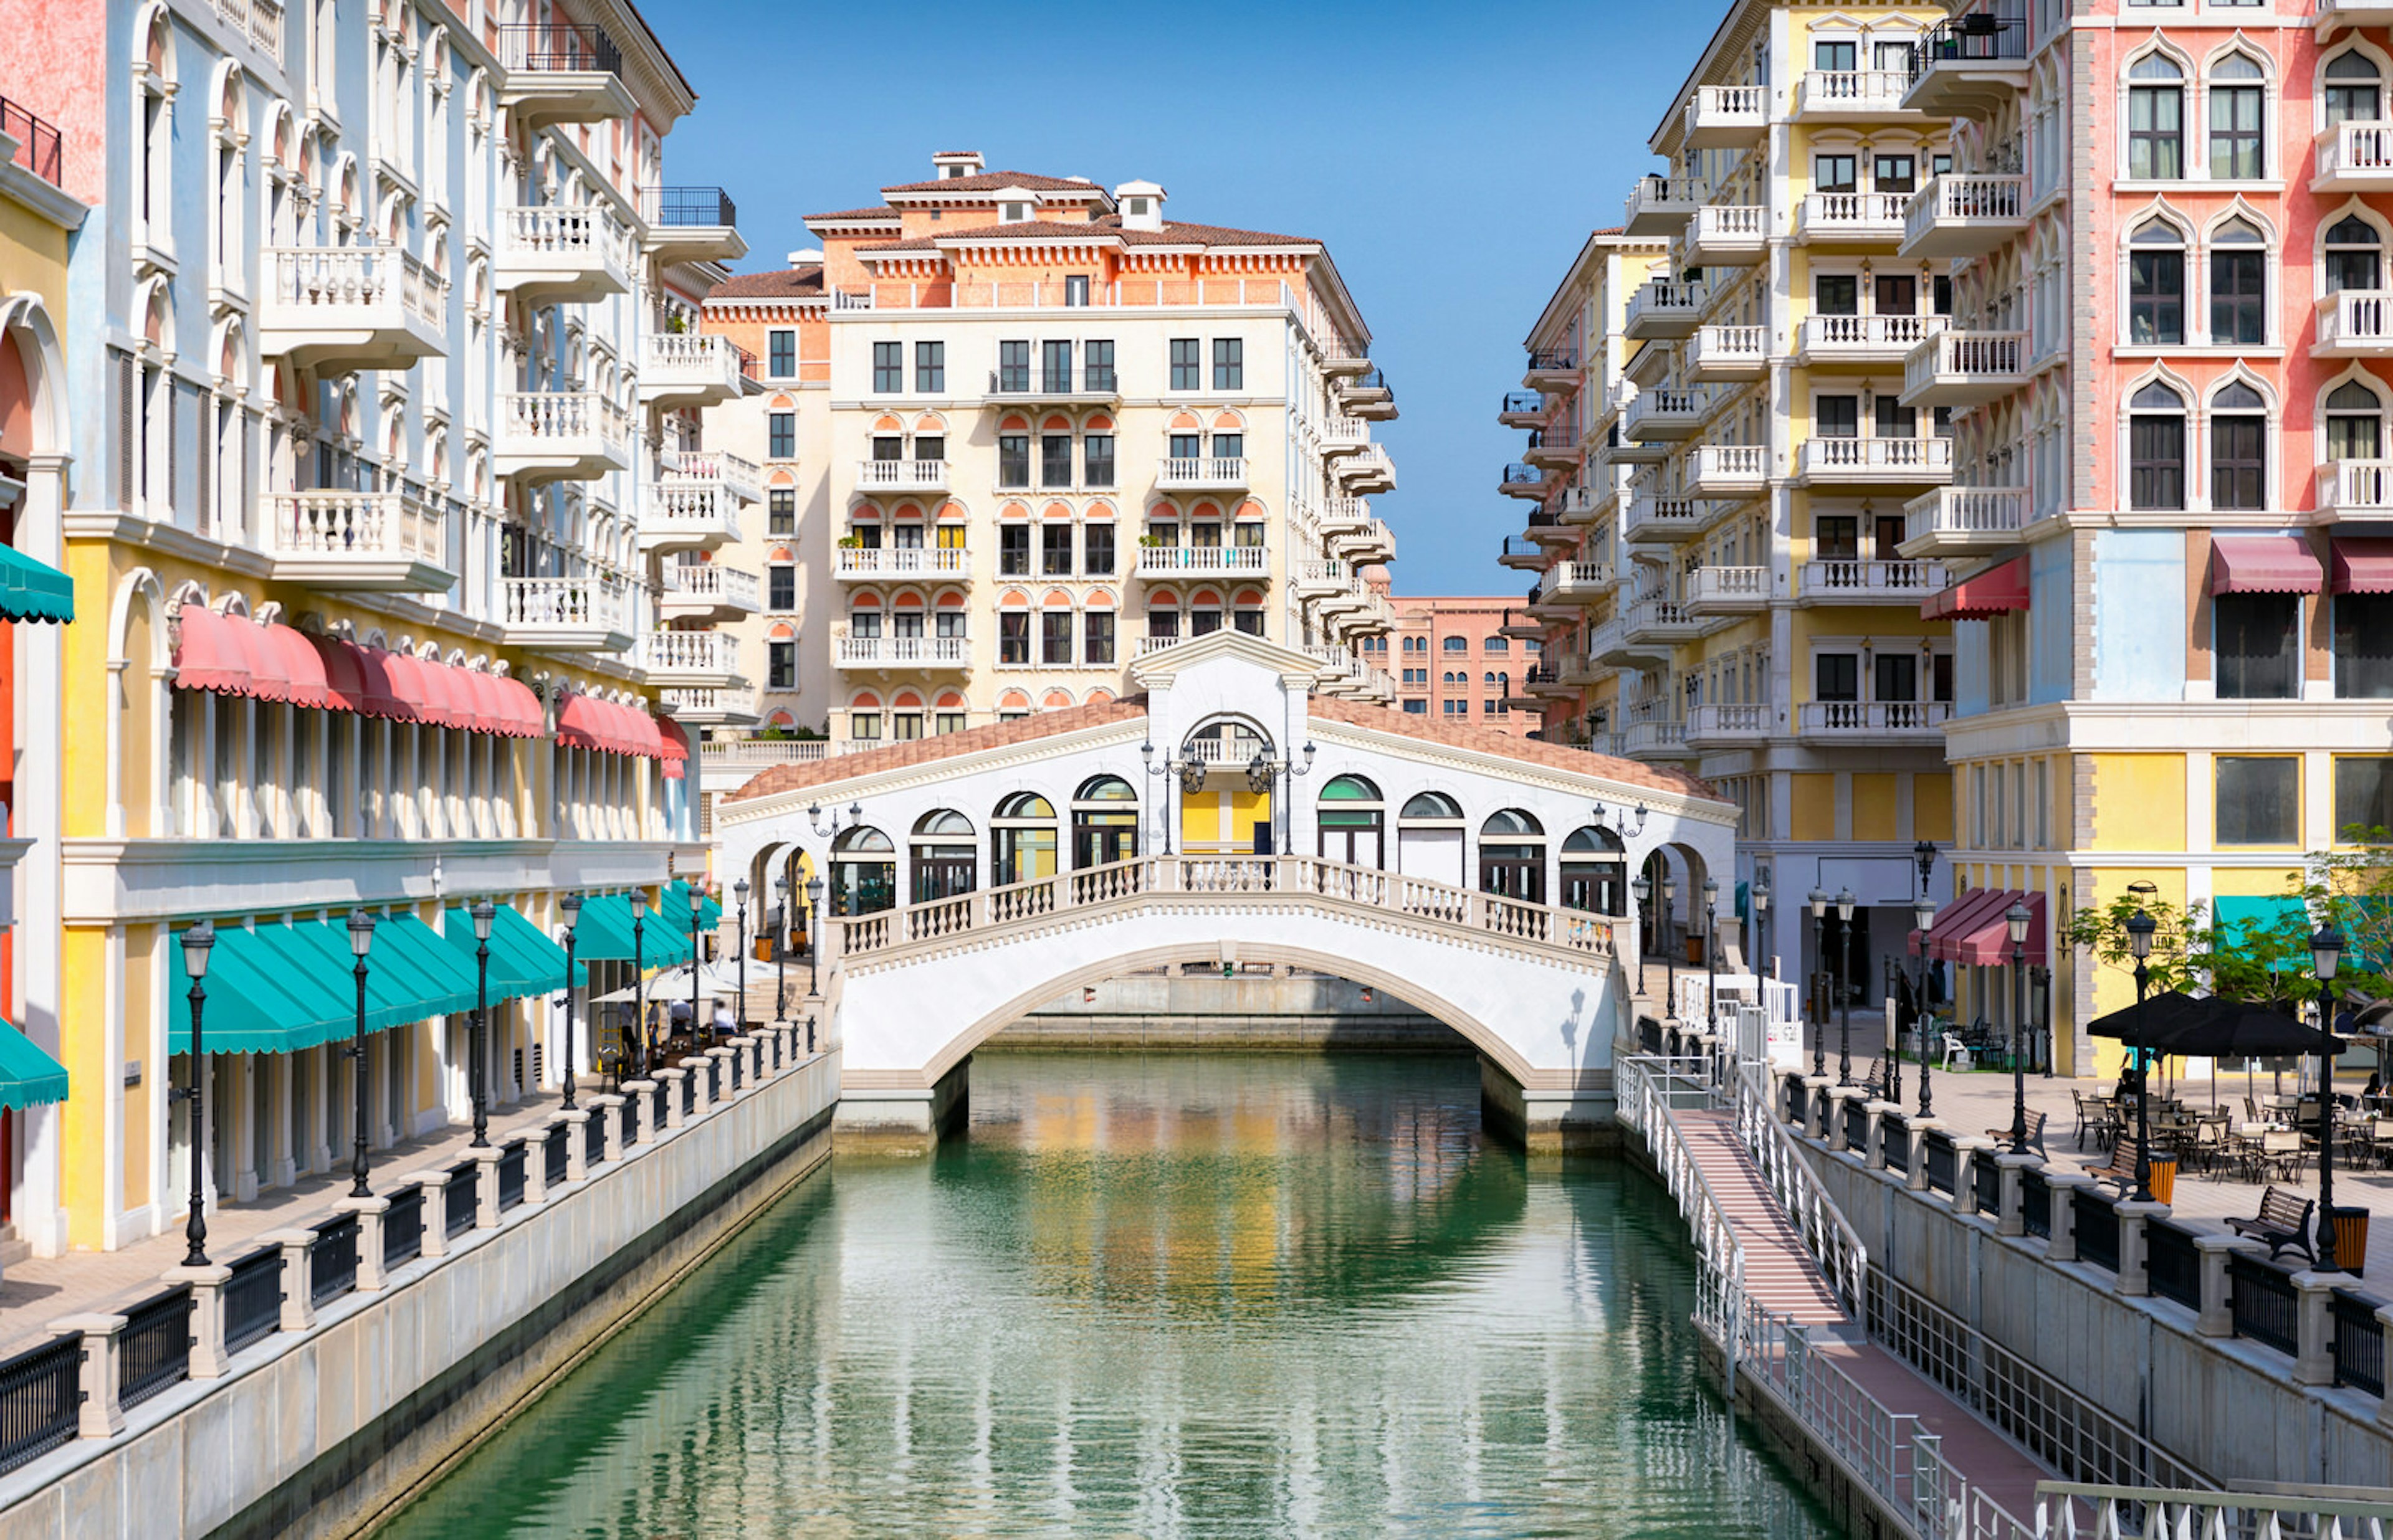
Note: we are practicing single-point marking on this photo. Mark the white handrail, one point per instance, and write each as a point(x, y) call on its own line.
point(1826, 1235)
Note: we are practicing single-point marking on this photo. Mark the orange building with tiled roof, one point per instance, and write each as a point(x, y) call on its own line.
point(1017, 428)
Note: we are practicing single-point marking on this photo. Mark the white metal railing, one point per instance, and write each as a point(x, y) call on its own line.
point(1874, 213)
point(907, 475)
point(1826, 1235)
point(713, 580)
point(1205, 561)
point(362, 526)
point(1828, 579)
point(1875, 716)
point(901, 561)
point(331, 284)
point(1647, 1089)
point(582, 234)
point(1868, 334)
point(883, 651)
point(2350, 487)
point(2066, 1510)
point(1850, 91)
point(544, 417)
point(690, 652)
point(1904, 458)
point(1201, 471)
point(1728, 585)
point(596, 603)
point(1971, 511)
point(2356, 317)
point(2357, 149)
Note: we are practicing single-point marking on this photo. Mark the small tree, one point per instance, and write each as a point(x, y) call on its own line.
point(2180, 935)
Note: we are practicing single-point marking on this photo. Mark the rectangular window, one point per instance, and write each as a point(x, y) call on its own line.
point(1839, 56)
point(1055, 367)
point(930, 447)
point(1056, 637)
point(781, 353)
point(1163, 625)
point(2238, 457)
point(2237, 287)
point(1417, 708)
point(888, 368)
point(949, 623)
point(1056, 550)
point(1187, 446)
point(781, 511)
point(1014, 459)
point(1097, 638)
point(1896, 676)
point(2256, 639)
point(2155, 115)
point(1014, 550)
point(1229, 363)
point(1229, 446)
point(2364, 648)
point(1013, 636)
point(1891, 57)
point(948, 722)
point(1249, 623)
point(781, 436)
point(780, 588)
point(2156, 460)
point(1187, 365)
point(1097, 366)
point(905, 724)
point(1835, 174)
point(2155, 298)
point(780, 665)
point(1054, 460)
point(888, 447)
point(1835, 676)
point(1204, 622)
point(2259, 800)
point(1098, 456)
point(1894, 173)
point(1097, 551)
point(1837, 417)
point(1895, 294)
point(931, 368)
point(1894, 419)
point(2363, 796)
point(1837, 293)
point(1012, 367)
point(864, 726)
point(2236, 133)
point(1076, 289)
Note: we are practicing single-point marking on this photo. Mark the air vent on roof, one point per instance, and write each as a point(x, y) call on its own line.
point(810, 257)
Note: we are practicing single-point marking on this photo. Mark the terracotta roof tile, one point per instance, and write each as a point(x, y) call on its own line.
point(778, 283)
point(1178, 234)
point(1171, 234)
point(997, 735)
point(991, 181)
point(877, 211)
point(1487, 740)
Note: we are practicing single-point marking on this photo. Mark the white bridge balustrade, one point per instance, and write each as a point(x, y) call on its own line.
point(363, 540)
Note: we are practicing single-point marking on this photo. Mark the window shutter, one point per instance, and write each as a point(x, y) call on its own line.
point(127, 451)
point(205, 466)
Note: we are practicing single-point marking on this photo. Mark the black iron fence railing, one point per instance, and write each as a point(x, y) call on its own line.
point(594, 1138)
point(39, 149)
point(402, 1227)
point(555, 1156)
point(1894, 1138)
point(688, 208)
point(559, 45)
point(1942, 1160)
point(462, 1200)
point(41, 1395)
point(1975, 38)
point(2172, 1263)
point(2035, 1204)
point(511, 1175)
point(154, 1350)
point(2264, 1303)
point(1987, 1178)
point(2359, 1342)
point(252, 1299)
point(1856, 1127)
point(2097, 1224)
point(333, 1260)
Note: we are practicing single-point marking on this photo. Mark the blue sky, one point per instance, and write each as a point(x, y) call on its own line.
point(1453, 157)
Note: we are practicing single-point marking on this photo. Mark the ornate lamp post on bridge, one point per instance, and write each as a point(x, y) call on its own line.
point(1711, 952)
point(1844, 987)
point(740, 893)
point(813, 950)
point(483, 913)
point(2016, 918)
point(639, 985)
point(1923, 915)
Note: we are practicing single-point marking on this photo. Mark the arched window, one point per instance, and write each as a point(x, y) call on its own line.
point(1429, 839)
point(1021, 840)
point(1433, 804)
point(2155, 120)
point(1595, 871)
point(863, 871)
point(943, 855)
point(2239, 448)
point(1512, 857)
point(2156, 448)
point(2236, 93)
point(2355, 255)
point(2353, 92)
point(1352, 818)
point(2156, 285)
point(2239, 285)
point(2354, 422)
point(1226, 743)
point(1105, 822)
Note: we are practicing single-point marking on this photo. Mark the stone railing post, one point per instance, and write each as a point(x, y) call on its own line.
point(208, 1356)
point(2314, 1364)
point(577, 1143)
point(609, 1109)
point(671, 1079)
point(702, 1068)
point(436, 1208)
point(102, 1416)
point(2385, 1404)
point(485, 1185)
point(2012, 1221)
point(2216, 1317)
point(298, 1308)
point(2064, 1185)
point(753, 1047)
point(1876, 1112)
point(644, 1112)
point(1914, 1168)
point(2134, 1262)
point(368, 1211)
point(535, 1149)
point(1967, 1150)
point(1837, 1097)
point(722, 1057)
point(1815, 1105)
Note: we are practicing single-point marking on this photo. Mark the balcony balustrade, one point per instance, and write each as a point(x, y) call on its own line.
point(1344, 436)
point(691, 659)
point(1710, 726)
point(1727, 470)
point(1658, 205)
point(1724, 353)
point(1574, 582)
point(941, 653)
point(1964, 369)
point(740, 478)
point(1579, 670)
point(691, 224)
point(902, 563)
point(561, 434)
point(688, 516)
point(1961, 521)
point(339, 309)
point(1658, 516)
point(2355, 157)
point(1727, 590)
point(1202, 474)
point(1863, 339)
point(377, 541)
point(1525, 556)
point(1728, 235)
point(1318, 577)
point(558, 253)
point(882, 477)
point(259, 20)
point(561, 72)
point(1374, 541)
point(1551, 369)
point(1661, 622)
point(2352, 13)
point(707, 591)
point(1726, 117)
point(1891, 720)
point(2354, 489)
point(1663, 307)
point(1824, 461)
point(1371, 471)
point(1204, 561)
point(1368, 395)
point(2355, 323)
point(1967, 66)
point(1522, 408)
point(692, 368)
point(1345, 515)
point(1554, 444)
point(711, 707)
point(1657, 737)
point(1957, 215)
point(1825, 95)
point(1850, 218)
point(592, 613)
point(1096, 385)
point(1832, 580)
point(1666, 416)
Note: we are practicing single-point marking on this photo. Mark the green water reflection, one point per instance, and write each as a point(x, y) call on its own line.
point(1203, 1296)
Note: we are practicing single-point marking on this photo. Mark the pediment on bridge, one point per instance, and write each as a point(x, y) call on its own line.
point(1159, 670)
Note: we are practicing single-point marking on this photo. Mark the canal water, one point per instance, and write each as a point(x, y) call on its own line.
point(1191, 1295)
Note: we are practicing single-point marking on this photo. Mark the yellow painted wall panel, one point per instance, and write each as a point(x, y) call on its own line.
point(2138, 802)
point(83, 1118)
point(1931, 808)
point(140, 950)
point(1813, 812)
point(2252, 882)
point(1874, 806)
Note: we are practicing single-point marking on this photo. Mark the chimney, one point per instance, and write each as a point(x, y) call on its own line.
point(810, 257)
point(1141, 204)
point(948, 164)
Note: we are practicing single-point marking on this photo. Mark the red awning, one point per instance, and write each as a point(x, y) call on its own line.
point(1954, 919)
point(583, 722)
point(207, 655)
point(2263, 564)
point(2363, 566)
point(299, 664)
point(1996, 590)
point(479, 693)
point(382, 697)
point(524, 716)
point(676, 747)
point(640, 735)
point(432, 693)
point(1989, 945)
point(345, 674)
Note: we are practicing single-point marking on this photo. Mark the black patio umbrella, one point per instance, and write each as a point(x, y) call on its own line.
point(2205, 1026)
point(2161, 1012)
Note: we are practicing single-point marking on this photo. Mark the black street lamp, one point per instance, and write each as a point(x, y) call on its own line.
point(775, 919)
point(2140, 945)
point(1711, 951)
point(1819, 902)
point(814, 944)
point(639, 986)
point(361, 929)
point(1669, 962)
point(2326, 952)
point(2017, 918)
point(483, 912)
point(739, 891)
point(571, 905)
point(1844, 988)
point(696, 904)
point(196, 941)
point(1923, 914)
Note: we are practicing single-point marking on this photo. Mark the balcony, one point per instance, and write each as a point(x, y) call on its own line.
point(1368, 395)
point(373, 541)
point(1021, 385)
point(714, 707)
point(1663, 737)
point(1521, 627)
point(1964, 369)
point(882, 478)
point(690, 369)
point(1715, 590)
point(1586, 505)
point(2354, 323)
point(1722, 354)
point(1369, 471)
point(1964, 521)
point(1320, 577)
point(1204, 561)
point(1663, 308)
point(1895, 722)
point(1343, 355)
point(901, 562)
point(2352, 13)
point(339, 309)
point(1825, 462)
point(691, 659)
point(1345, 515)
point(1666, 416)
point(1528, 556)
point(1611, 645)
point(927, 654)
point(1551, 369)
point(1969, 66)
point(1726, 727)
point(691, 224)
point(1373, 543)
point(592, 613)
point(1662, 519)
point(1660, 204)
point(1727, 470)
point(1344, 436)
point(1544, 682)
point(1876, 340)
point(558, 71)
point(1962, 217)
point(1522, 408)
point(707, 591)
point(1828, 96)
point(686, 514)
point(33, 143)
point(1823, 581)
point(1660, 622)
point(1547, 528)
point(2355, 489)
point(552, 253)
point(1726, 117)
point(1728, 235)
point(1574, 582)
point(1579, 670)
point(1555, 444)
point(1850, 218)
point(561, 434)
point(738, 477)
point(1201, 473)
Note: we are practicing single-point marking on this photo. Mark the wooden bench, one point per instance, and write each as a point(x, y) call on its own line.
point(1874, 1081)
point(2034, 1140)
point(2120, 1172)
point(2284, 1222)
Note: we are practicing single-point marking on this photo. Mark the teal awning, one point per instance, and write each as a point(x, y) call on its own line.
point(30, 590)
point(256, 1001)
point(675, 904)
point(605, 934)
point(543, 959)
point(523, 961)
point(28, 1075)
point(440, 986)
point(281, 988)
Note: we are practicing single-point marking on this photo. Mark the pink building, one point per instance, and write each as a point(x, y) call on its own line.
point(1453, 660)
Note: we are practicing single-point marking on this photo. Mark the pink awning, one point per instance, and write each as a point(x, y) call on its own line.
point(2263, 564)
point(207, 656)
point(525, 719)
point(2363, 566)
point(345, 675)
point(1996, 590)
point(585, 721)
point(1955, 918)
point(1989, 944)
point(676, 749)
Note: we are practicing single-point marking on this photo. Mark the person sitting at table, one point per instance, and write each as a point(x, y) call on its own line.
point(2131, 1077)
point(2372, 1095)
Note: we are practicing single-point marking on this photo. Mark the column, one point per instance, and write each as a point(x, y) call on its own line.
point(370, 1212)
point(101, 1416)
point(2216, 1317)
point(208, 1356)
